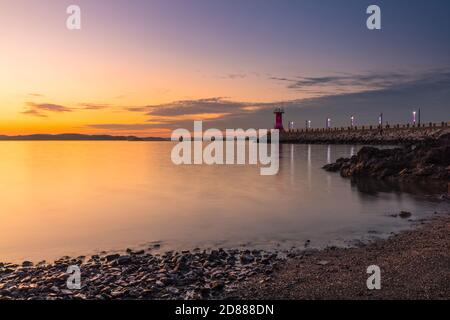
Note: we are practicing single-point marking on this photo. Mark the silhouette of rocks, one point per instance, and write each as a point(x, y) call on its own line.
point(413, 163)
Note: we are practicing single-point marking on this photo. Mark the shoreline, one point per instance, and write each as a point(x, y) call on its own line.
point(330, 273)
point(415, 264)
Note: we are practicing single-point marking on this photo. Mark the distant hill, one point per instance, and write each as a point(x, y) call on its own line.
point(77, 137)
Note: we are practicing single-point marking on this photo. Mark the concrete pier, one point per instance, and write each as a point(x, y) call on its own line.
point(388, 134)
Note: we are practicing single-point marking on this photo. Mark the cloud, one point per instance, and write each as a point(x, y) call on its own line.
point(48, 107)
point(122, 126)
point(43, 109)
point(234, 76)
point(399, 94)
point(354, 83)
point(430, 92)
point(35, 113)
point(395, 94)
point(363, 95)
point(137, 109)
point(216, 105)
point(40, 109)
point(94, 106)
point(396, 98)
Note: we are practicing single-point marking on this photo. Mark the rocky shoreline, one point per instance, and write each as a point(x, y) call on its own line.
point(422, 162)
point(330, 273)
point(138, 275)
point(222, 273)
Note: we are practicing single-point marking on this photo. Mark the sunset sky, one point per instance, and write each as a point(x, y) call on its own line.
point(145, 67)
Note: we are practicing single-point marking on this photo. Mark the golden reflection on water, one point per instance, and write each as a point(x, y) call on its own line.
point(72, 198)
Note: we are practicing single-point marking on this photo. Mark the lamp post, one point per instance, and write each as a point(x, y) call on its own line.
point(380, 119)
point(352, 121)
point(328, 124)
point(308, 124)
point(414, 117)
point(291, 125)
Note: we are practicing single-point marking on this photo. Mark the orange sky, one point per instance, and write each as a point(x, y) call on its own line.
point(44, 63)
point(129, 55)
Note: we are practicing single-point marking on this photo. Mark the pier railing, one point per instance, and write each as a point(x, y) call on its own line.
point(430, 125)
point(386, 134)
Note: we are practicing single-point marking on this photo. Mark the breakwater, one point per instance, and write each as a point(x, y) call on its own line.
point(387, 134)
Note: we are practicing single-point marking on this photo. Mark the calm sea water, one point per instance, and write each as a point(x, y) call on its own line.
point(80, 198)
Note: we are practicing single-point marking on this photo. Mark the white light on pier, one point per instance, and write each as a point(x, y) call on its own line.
point(291, 125)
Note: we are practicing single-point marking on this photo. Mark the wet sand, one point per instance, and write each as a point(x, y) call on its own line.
point(414, 264)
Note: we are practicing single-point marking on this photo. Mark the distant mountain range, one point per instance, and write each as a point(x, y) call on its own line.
point(78, 137)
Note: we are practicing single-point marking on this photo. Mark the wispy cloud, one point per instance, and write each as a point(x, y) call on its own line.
point(40, 109)
point(94, 106)
point(122, 126)
point(330, 85)
point(43, 109)
point(338, 96)
point(137, 109)
point(216, 105)
point(35, 113)
point(234, 76)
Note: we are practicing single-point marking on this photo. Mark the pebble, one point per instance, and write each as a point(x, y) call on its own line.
point(136, 275)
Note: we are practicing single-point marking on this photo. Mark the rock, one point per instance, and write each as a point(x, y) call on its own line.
point(405, 214)
point(323, 262)
point(117, 294)
point(135, 252)
point(122, 260)
point(246, 259)
point(307, 243)
point(66, 292)
point(55, 289)
point(217, 285)
point(27, 264)
point(334, 167)
point(172, 275)
point(112, 257)
point(425, 161)
point(173, 290)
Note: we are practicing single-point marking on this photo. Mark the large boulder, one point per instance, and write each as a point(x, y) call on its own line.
point(411, 163)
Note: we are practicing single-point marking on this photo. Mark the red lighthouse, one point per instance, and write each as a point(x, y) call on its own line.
point(279, 118)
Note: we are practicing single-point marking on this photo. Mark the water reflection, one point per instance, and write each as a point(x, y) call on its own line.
point(76, 198)
point(374, 187)
point(309, 166)
point(292, 164)
point(328, 154)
